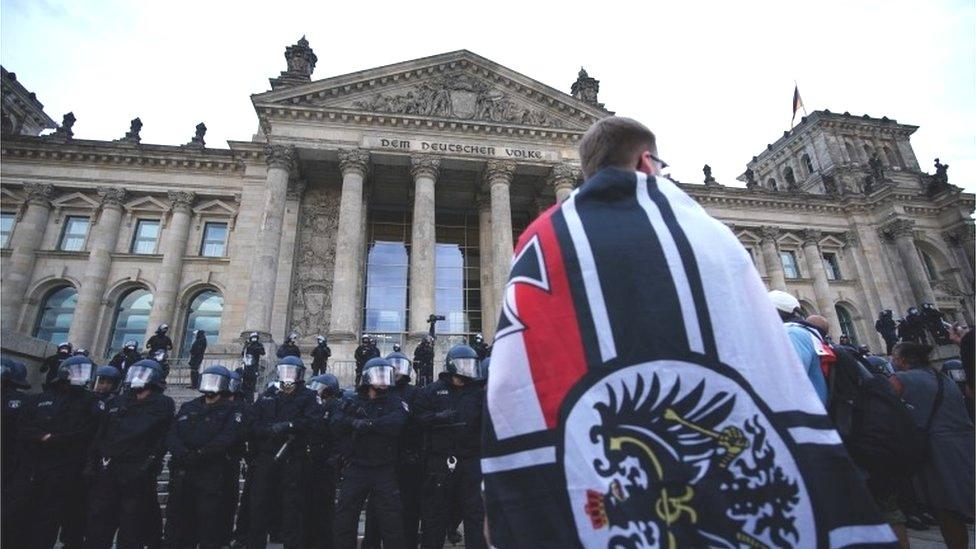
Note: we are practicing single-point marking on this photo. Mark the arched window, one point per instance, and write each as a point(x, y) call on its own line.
point(850, 151)
point(771, 183)
point(890, 156)
point(131, 319)
point(204, 314)
point(56, 312)
point(808, 164)
point(929, 264)
point(789, 177)
point(846, 323)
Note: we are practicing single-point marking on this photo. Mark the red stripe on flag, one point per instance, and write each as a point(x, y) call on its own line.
point(552, 339)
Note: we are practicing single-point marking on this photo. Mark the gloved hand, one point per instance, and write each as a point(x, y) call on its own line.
point(281, 427)
point(447, 416)
point(360, 424)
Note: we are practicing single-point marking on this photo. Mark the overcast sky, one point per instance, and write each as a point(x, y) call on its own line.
point(714, 80)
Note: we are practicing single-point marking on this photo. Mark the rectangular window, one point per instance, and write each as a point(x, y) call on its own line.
point(790, 268)
point(75, 231)
point(6, 227)
point(831, 266)
point(214, 240)
point(147, 234)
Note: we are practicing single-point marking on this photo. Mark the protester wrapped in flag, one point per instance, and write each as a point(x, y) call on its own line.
point(644, 393)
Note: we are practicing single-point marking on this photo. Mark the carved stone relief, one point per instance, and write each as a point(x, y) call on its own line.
point(318, 221)
point(458, 96)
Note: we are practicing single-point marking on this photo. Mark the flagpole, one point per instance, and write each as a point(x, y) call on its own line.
point(797, 86)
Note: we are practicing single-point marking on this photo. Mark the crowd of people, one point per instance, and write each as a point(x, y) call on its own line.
point(82, 459)
point(906, 422)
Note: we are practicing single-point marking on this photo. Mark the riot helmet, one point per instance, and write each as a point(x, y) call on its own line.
point(14, 373)
point(397, 348)
point(236, 381)
point(80, 352)
point(879, 365)
point(400, 363)
point(162, 328)
point(365, 339)
point(479, 338)
point(107, 379)
point(254, 337)
point(378, 373)
point(291, 337)
point(64, 348)
point(320, 339)
point(325, 385)
point(130, 345)
point(953, 368)
point(144, 374)
point(214, 380)
point(76, 370)
point(462, 361)
point(160, 355)
point(290, 370)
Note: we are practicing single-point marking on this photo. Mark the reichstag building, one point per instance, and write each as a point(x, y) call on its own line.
point(369, 201)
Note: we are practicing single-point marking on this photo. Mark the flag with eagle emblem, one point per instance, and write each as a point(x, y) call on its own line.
point(643, 392)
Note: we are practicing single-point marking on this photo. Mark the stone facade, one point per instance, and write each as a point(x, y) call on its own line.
point(841, 199)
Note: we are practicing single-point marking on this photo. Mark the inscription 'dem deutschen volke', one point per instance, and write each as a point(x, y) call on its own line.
point(417, 145)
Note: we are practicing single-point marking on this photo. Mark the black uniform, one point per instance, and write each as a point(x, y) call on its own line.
point(254, 351)
point(13, 508)
point(375, 426)
point(125, 358)
point(238, 452)
point(50, 365)
point(323, 453)
point(197, 351)
point(363, 353)
point(288, 348)
point(423, 363)
point(320, 358)
point(912, 328)
point(125, 459)
point(885, 325)
point(201, 442)
point(159, 341)
point(272, 412)
point(451, 417)
point(482, 348)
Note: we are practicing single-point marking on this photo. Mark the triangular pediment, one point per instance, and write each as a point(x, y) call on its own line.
point(75, 200)
point(456, 86)
point(147, 203)
point(215, 207)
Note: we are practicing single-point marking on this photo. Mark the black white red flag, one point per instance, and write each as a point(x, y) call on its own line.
point(643, 391)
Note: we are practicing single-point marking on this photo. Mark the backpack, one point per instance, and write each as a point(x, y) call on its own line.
point(884, 439)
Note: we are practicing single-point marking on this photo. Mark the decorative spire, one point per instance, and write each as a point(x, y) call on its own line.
point(586, 88)
point(301, 62)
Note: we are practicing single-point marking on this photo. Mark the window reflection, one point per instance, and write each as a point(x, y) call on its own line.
point(131, 319)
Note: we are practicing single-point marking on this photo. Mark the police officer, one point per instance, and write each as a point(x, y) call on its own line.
point(50, 365)
point(366, 350)
point(320, 356)
point(481, 347)
point(197, 350)
point(238, 453)
point(283, 418)
point(13, 382)
point(289, 347)
point(128, 356)
point(324, 460)
point(125, 459)
point(375, 419)
point(251, 359)
point(56, 428)
point(80, 352)
point(106, 382)
point(423, 361)
point(201, 443)
point(885, 325)
point(160, 340)
point(450, 411)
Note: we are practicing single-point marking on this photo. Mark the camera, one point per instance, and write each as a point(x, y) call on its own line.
point(435, 318)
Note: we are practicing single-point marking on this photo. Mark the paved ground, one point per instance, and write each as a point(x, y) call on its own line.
point(932, 539)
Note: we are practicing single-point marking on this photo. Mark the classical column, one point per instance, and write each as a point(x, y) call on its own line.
point(424, 169)
point(901, 231)
point(171, 268)
point(821, 289)
point(104, 236)
point(958, 240)
point(498, 178)
point(489, 308)
point(563, 179)
point(771, 259)
point(24, 243)
point(349, 244)
point(264, 268)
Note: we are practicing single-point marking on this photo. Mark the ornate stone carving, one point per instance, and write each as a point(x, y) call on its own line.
point(851, 239)
point(180, 199)
point(830, 185)
point(296, 187)
point(499, 171)
point(315, 248)
point(767, 232)
point(941, 176)
point(132, 136)
point(564, 175)
point(425, 165)
point(898, 228)
point(197, 142)
point(586, 88)
point(751, 182)
point(811, 236)
point(709, 180)
point(458, 95)
point(38, 193)
point(959, 236)
point(279, 156)
point(354, 160)
point(301, 62)
point(111, 196)
point(64, 131)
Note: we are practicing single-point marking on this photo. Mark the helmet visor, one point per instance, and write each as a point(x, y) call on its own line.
point(160, 355)
point(234, 385)
point(379, 377)
point(80, 374)
point(289, 373)
point(401, 365)
point(317, 386)
point(465, 367)
point(138, 377)
point(104, 384)
point(214, 383)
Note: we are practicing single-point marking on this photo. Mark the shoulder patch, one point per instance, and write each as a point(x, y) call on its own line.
point(14, 404)
point(101, 405)
point(239, 417)
point(443, 392)
point(406, 407)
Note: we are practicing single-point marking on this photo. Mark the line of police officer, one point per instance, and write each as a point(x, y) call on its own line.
point(409, 456)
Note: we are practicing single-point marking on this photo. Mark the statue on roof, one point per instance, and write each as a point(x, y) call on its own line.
point(709, 180)
point(941, 173)
point(64, 131)
point(197, 141)
point(301, 62)
point(586, 88)
point(877, 168)
point(132, 136)
point(751, 179)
